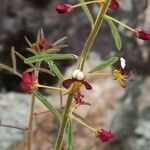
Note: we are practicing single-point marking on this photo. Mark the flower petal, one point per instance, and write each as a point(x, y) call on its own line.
point(26, 77)
point(67, 83)
point(87, 85)
point(114, 4)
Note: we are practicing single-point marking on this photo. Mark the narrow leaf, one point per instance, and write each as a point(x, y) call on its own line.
point(23, 58)
point(60, 40)
point(47, 104)
point(54, 69)
point(106, 64)
point(29, 43)
point(5, 67)
point(45, 56)
point(115, 33)
point(69, 135)
point(87, 13)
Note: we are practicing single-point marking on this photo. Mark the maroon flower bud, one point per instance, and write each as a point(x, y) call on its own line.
point(44, 44)
point(28, 83)
point(141, 34)
point(63, 8)
point(104, 135)
point(114, 4)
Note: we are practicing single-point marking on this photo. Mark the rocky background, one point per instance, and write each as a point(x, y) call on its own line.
point(126, 110)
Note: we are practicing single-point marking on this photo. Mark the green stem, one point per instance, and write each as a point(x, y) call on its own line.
point(86, 3)
point(30, 131)
point(90, 40)
point(52, 88)
point(119, 22)
point(64, 122)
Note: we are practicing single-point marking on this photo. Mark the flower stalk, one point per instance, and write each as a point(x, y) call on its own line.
point(64, 121)
point(119, 22)
point(90, 40)
point(30, 130)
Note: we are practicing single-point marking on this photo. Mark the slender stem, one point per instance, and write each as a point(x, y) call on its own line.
point(14, 127)
point(86, 3)
point(119, 22)
point(97, 74)
point(30, 131)
point(90, 40)
point(63, 124)
point(52, 88)
point(83, 123)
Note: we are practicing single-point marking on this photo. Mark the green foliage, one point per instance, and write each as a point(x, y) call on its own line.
point(87, 13)
point(45, 56)
point(55, 69)
point(69, 135)
point(105, 64)
point(115, 33)
point(47, 104)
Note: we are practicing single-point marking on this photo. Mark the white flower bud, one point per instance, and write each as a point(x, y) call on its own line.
point(123, 62)
point(74, 74)
point(80, 76)
point(77, 74)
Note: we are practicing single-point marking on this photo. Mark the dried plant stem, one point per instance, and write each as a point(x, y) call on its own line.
point(63, 124)
point(14, 127)
point(90, 40)
point(30, 130)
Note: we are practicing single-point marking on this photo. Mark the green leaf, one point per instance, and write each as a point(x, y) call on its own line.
point(106, 64)
point(87, 13)
point(44, 56)
point(115, 33)
point(47, 104)
point(55, 69)
point(69, 135)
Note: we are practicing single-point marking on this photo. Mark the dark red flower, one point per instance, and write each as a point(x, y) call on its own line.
point(67, 83)
point(114, 4)
point(141, 34)
point(104, 135)
point(43, 44)
point(63, 8)
point(121, 72)
point(28, 83)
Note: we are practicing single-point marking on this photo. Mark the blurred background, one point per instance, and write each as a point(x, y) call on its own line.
point(125, 111)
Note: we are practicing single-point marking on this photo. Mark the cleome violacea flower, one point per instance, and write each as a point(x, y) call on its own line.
point(29, 82)
point(104, 135)
point(121, 72)
point(78, 79)
point(141, 34)
point(114, 4)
